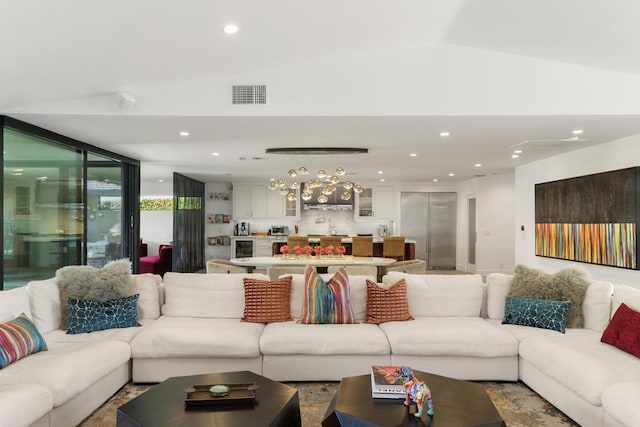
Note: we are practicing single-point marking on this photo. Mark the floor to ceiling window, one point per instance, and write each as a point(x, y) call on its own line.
point(64, 203)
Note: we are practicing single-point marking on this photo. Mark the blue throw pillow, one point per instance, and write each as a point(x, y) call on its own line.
point(539, 313)
point(90, 315)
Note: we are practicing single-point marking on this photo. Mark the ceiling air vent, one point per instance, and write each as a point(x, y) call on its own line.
point(249, 94)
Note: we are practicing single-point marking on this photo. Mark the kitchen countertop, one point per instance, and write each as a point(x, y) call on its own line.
point(376, 239)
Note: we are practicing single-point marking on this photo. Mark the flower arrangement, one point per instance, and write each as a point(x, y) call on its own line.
point(297, 250)
point(328, 250)
point(341, 250)
point(307, 250)
point(317, 250)
point(284, 250)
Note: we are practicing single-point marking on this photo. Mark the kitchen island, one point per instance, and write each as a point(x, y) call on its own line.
point(409, 245)
point(316, 261)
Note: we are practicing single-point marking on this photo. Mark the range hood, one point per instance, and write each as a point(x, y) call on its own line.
point(335, 203)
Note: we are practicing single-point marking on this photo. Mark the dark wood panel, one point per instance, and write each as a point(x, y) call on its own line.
point(608, 197)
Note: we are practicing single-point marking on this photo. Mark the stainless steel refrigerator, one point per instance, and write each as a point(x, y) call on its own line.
point(430, 220)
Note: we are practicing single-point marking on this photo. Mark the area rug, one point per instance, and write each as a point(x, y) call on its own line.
point(518, 404)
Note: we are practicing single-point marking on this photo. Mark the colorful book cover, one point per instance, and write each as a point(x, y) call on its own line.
point(385, 384)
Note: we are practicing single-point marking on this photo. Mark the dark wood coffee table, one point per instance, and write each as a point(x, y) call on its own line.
point(275, 404)
point(456, 403)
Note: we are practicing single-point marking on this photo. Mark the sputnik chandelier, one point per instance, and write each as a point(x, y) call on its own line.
point(328, 184)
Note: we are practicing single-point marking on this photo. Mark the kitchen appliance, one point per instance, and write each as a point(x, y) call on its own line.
point(430, 220)
point(279, 230)
point(383, 230)
point(241, 229)
point(243, 247)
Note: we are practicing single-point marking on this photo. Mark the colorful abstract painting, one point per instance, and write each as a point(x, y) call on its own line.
point(606, 244)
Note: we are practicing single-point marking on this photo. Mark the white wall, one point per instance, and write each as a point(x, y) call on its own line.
point(495, 226)
point(613, 155)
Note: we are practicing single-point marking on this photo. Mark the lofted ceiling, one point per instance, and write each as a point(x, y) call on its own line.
point(498, 75)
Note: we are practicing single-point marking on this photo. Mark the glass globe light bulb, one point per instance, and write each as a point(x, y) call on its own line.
point(302, 170)
point(292, 173)
point(326, 191)
point(306, 196)
point(322, 199)
point(348, 185)
point(280, 183)
point(284, 191)
point(346, 195)
point(295, 185)
point(322, 174)
point(358, 188)
point(291, 196)
point(317, 183)
point(334, 179)
point(340, 171)
point(272, 185)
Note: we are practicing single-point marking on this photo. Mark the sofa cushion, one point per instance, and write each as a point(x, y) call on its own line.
point(449, 336)
point(623, 331)
point(596, 306)
point(218, 296)
point(90, 316)
point(19, 338)
point(267, 301)
point(387, 304)
point(625, 294)
point(68, 370)
point(15, 398)
point(14, 302)
point(197, 337)
point(357, 287)
point(146, 285)
point(86, 282)
point(441, 295)
point(539, 313)
point(580, 362)
point(565, 285)
point(620, 401)
point(326, 302)
point(296, 338)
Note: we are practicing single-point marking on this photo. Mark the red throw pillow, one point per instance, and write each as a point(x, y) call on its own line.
point(265, 301)
point(387, 305)
point(623, 331)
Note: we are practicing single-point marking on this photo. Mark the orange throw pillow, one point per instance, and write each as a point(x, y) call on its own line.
point(387, 305)
point(265, 301)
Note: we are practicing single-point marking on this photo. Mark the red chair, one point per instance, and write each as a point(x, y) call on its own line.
point(157, 264)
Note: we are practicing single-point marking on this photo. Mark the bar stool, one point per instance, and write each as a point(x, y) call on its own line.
point(393, 247)
point(330, 240)
point(293, 241)
point(362, 246)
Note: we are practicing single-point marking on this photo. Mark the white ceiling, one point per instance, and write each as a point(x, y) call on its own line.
point(387, 76)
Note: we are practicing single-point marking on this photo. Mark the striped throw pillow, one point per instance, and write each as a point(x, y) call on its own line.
point(326, 302)
point(265, 301)
point(19, 338)
point(387, 305)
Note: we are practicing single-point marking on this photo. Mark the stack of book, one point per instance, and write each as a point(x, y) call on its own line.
point(385, 384)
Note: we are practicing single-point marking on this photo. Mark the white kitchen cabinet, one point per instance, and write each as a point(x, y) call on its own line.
point(375, 202)
point(264, 246)
point(249, 201)
point(256, 201)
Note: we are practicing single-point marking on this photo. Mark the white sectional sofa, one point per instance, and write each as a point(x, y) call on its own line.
point(191, 324)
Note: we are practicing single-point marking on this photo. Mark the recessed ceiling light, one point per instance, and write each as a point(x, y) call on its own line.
point(17, 174)
point(452, 174)
point(380, 172)
point(444, 133)
point(517, 151)
point(478, 165)
point(435, 179)
point(215, 154)
point(413, 154)
point(515, 156)
point(184, 133)
point(577, 132)
point(382, 179)
point(161, 180)
point(230, 29)
point(18, 170)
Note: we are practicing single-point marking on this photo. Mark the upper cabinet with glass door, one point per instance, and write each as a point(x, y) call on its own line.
point(375, 202)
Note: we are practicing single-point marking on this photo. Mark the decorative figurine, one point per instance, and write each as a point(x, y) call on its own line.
point(416, 391)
